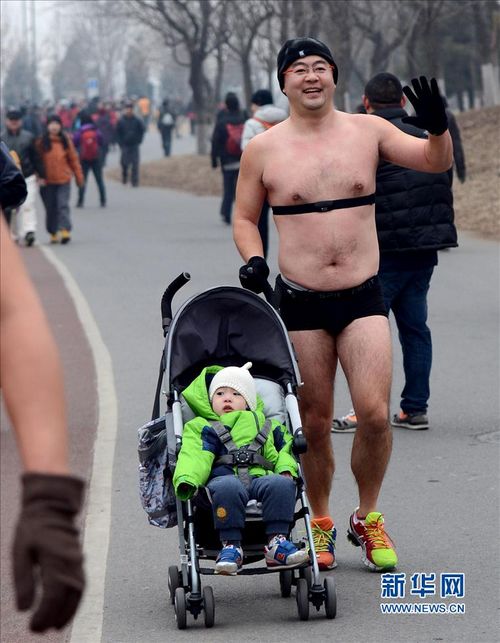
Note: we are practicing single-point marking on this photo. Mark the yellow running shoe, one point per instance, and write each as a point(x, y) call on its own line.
point(324, 535)
point(65, 236)
point(369, 534)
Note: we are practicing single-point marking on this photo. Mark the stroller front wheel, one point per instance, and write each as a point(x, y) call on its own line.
point(209, 606)
point(180, 608)
point(173, 582)
point(286, 579)
point(302, 598)
point(330, 597)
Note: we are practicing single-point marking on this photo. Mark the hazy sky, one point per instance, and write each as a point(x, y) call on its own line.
point(13, 10)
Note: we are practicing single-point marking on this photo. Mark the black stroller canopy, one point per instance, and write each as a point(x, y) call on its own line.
point(228, 326)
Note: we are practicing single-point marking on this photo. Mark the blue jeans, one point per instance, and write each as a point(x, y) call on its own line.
point(405, 293)
point(230, 497)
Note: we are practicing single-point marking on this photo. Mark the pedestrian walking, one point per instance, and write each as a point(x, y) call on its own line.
point(104, 123)
point(166, 124)
point(129, 135)
point(88, 141)
point(22, 142)
point(264, 116)
point(226, 149)
point(60, 161)
point(317, 169)
point(414, 218)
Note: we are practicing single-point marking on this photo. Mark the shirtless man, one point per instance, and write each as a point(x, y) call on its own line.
point(317, 170)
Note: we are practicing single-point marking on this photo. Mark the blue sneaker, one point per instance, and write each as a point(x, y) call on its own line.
point(229, 560)
point(282, 553)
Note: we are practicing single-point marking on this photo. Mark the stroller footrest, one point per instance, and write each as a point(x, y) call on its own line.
point(254, 570)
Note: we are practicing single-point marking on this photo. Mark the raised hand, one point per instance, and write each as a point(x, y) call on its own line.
point(428, 105)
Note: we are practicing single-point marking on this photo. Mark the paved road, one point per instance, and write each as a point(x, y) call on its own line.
point(440, 497)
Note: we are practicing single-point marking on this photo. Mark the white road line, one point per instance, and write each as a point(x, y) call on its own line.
point(87, 625)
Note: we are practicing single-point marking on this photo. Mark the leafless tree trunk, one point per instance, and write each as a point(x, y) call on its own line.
point(340, 32)
point(245, 20)
point(189, 28)
point(386, 25)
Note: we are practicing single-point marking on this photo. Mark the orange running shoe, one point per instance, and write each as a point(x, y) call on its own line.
point(324, 536)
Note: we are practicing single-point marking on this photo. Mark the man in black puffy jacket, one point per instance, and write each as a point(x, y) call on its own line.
point(414, 217)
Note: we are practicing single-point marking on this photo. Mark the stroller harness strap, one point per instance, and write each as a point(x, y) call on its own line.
point(245, 456)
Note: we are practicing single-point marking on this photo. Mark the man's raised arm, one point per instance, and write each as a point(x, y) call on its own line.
point(434, 154)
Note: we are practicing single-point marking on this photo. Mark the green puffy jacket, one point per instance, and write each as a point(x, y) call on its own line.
point(201, 445)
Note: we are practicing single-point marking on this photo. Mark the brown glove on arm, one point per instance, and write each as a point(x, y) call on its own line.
point(47, 549)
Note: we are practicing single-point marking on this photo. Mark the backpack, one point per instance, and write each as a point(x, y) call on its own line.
point(89, 146)
point(234, 133)
point(167, 119)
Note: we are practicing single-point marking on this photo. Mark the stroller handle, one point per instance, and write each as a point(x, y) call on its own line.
point(168, 295)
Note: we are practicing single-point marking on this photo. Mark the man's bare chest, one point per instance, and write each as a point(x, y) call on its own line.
point(304, 173)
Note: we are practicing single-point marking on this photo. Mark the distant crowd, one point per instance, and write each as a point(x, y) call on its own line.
point(51, 144)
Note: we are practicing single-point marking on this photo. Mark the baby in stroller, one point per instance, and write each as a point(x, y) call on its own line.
point(238, 455)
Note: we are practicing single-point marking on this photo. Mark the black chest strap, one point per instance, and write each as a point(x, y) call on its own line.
point(324, 206)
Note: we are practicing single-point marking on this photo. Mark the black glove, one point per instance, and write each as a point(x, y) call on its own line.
point(214, 163)
point(428, 105)
point(47, 539)
point(254, 274)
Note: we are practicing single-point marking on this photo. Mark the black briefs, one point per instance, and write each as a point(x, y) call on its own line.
point(328, 310)
point(325, 206)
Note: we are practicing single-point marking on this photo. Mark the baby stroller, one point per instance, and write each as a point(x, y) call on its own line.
point(226, 326)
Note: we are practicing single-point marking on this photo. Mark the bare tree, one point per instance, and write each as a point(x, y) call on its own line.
point(307, 17)
point(191, 30)
point(386, 25)
point(245, 20)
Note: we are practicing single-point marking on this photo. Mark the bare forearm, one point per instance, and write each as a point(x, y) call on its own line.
point(247, 238)
point(30, 369)
point(438, 152)
point(33, 392)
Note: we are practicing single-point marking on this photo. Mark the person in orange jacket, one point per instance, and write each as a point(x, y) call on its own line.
point(61, 163)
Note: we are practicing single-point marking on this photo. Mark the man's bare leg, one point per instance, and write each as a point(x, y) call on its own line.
point(364, 350)
point(317, 364)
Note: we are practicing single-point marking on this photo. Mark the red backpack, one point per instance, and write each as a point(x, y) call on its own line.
point(89, 146)
point(233, 140)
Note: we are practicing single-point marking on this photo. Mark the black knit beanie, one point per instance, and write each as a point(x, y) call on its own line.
point(297, 48)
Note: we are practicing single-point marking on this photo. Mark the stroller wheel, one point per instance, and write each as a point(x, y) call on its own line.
point(286, 578)
point(173, 582)
point(180, 608)
point(330, 597)
point(306, 572)
point(209, 606)
point(302, 598)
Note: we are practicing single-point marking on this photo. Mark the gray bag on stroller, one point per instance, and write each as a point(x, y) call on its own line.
point(157, 463)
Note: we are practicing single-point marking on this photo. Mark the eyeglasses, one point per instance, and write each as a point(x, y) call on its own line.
point(320, 69)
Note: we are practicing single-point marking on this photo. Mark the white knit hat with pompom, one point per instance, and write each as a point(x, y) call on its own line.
point(238, 379)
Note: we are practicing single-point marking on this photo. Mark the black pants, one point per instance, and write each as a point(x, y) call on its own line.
point(130, 157)
point(96, 167)
point(166, 139)
point(230, 178)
